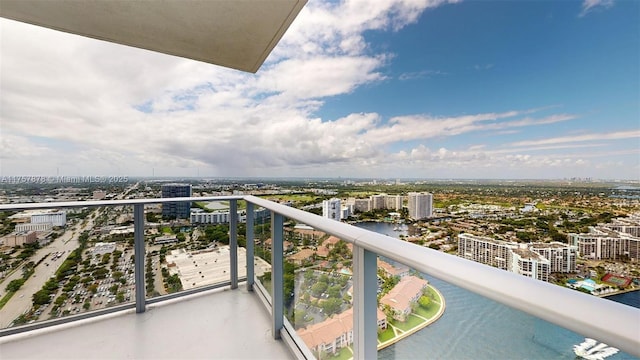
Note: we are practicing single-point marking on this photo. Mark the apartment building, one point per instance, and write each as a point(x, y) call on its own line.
point(536, 260)
point(362, 205)
point(529, 263)
point(334, 333)
point(601, 242)
point(420, 205)
point(393, 202)
point(403, 296)
point(562, 258)
point(485, 250)
point(331, 209)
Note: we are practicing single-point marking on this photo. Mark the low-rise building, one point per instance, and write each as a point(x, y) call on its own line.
point(20, 238)
point(165, 239)
point(103, 248)
point(391, 271)
point(334, 333)
point(34, 227)
point(198, 216)
point(301, 256)
point(403, 296)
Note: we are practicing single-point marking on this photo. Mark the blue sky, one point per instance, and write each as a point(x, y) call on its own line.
point(415, 89)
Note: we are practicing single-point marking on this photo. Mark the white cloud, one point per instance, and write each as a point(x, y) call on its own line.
point(420, 74)
point(405, 128)
point(590, 5)
point(82, 106)
point(618, 135)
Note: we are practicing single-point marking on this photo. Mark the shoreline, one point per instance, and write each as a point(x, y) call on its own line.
point(619, 292)
point(422, 325)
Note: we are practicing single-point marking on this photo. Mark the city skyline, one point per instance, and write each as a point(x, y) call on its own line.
point(394, 89)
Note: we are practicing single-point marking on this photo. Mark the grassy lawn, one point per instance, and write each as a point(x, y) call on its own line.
point(241, 204)
point(412, 321)
point(166, 230)
point(5, 299)
point(343, 354)
point(292, 197)
point(386, 335)
point(431, 310)
point(433, 294)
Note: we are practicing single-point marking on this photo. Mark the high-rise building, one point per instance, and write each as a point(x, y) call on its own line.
point(393, 202)
point(420, 205)
point(536, 260)
point(331, 209)
point(362, 205)
point(562, 258)
point(529, 263)
point(174, 210)
point(601, 242)
point(379, 201)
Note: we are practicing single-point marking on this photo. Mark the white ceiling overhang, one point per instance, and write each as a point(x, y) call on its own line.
point(238, 34)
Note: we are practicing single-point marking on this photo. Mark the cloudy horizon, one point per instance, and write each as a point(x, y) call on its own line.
point(394, 89)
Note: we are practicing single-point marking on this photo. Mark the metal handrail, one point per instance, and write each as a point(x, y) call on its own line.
point(608, 321)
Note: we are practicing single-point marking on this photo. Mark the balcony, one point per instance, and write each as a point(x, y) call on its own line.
point(238, 318)
point(215, 323)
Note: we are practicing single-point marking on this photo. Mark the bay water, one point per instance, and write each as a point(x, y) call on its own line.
point(474, 327)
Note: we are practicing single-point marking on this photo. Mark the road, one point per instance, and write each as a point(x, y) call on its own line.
point(67, 242)
point(21, 300)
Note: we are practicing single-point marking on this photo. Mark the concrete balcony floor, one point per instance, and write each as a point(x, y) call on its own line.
point(216, 324)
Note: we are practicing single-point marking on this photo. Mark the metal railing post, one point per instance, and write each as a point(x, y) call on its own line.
point(277, 281)
point(365, 319)
point(233, 242)
point(250, 255)
point(138, 236)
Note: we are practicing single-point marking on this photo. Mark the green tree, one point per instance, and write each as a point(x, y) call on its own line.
point(299, 317)
point(334, 291)
point(41, 297)
point(424, 301)
point(93, 288)
point(318, 288)
point(331, 306)
point(114, 288)
point(14, 285)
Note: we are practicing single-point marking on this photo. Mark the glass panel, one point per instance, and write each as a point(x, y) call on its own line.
point(262, 248)
point(184, 254)
point(474, 327)
point(80, 260)
point(318, 281)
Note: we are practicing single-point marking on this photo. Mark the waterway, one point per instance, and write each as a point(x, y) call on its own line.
point(474, 327)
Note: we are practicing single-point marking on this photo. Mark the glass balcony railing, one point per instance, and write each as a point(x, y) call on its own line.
point(332, 290)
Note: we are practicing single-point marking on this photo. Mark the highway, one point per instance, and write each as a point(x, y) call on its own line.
point(22, 300)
